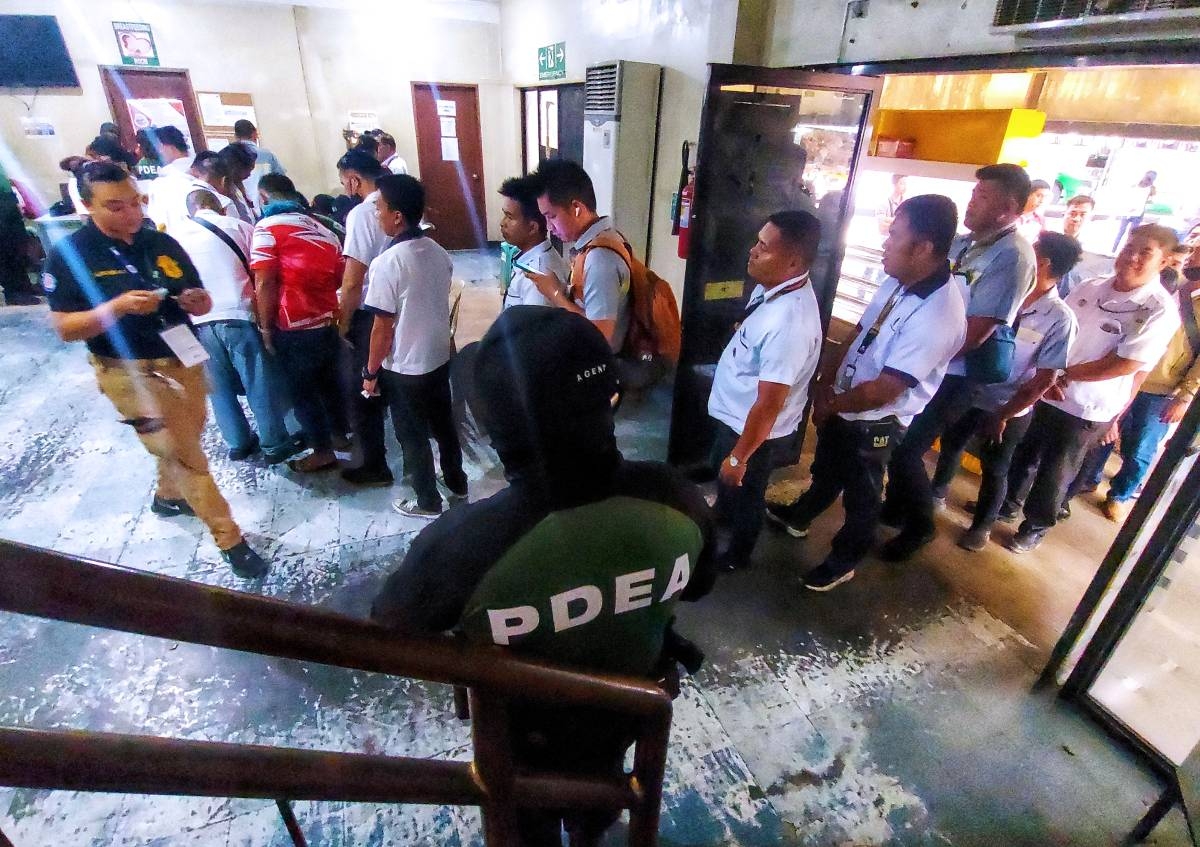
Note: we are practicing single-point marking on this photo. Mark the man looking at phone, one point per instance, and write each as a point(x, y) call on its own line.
point(523, 226)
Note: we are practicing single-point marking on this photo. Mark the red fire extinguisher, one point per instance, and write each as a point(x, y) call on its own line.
point(685, 216)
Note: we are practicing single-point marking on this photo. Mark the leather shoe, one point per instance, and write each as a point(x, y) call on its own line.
point(904, 545)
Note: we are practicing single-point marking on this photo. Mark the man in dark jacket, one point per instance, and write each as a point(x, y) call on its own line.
point(579, 561)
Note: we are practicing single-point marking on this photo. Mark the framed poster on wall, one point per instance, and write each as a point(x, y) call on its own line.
point(136, 43)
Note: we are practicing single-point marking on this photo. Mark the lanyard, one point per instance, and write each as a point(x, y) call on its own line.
point(981, 245)
point(131, 268)
point(884, 314)
point(753, 305)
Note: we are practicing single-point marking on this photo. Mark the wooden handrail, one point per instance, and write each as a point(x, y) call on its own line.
point(47, 584)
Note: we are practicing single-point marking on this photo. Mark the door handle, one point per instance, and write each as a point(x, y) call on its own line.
point(475, 177)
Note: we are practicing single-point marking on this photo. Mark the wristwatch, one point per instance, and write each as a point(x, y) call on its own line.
point(733, 460)
point(368, 375)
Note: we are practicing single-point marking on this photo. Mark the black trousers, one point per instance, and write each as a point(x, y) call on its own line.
point(995, 457)
point(421, 410)
point(1046, 462)
point(310, 360)
point(909, 492)
point(368, 413)
point(740, 510)
point(850, 459)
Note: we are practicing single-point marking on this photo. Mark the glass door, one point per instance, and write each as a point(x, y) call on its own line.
point(770, 140)
point(552, 124)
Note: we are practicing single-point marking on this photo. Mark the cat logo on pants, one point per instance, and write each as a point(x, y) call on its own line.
point(881, 441)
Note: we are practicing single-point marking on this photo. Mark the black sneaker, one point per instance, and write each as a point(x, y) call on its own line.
point(454, 495)
point(171, 508)
point(1008, 511)
point(904, 545)
point(827, 576)
point(1064, 511)
point(291, 447)
point(365, 476)
point(1026, 540)
point(241, 454)
point(975, 539)
point(777, 515)
point(245, 562)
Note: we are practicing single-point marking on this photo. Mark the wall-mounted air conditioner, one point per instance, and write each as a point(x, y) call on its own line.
point(1127, 18)
point(620, 126)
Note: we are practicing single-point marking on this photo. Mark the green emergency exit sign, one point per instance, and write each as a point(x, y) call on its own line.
point(552, 61)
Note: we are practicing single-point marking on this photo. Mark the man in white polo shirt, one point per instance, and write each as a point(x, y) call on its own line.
point(1046, 329)
point(1126, 323)
point(523, 225)
point(219, 246)
point(914, 325)
point(365, 240)
point(761, 385)
point(410, 344)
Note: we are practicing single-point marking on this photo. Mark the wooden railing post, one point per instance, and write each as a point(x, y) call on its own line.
point(649, 770)
point(494, 767)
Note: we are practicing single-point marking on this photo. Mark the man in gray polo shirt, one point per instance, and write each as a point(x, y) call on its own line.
point(901, 347)
point(1046, 328)
point(994, 267)
point(568, 201)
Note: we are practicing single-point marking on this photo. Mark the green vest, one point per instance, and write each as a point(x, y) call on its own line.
point(593, 587)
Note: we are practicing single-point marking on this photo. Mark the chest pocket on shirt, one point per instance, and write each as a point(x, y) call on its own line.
point(1112, 326)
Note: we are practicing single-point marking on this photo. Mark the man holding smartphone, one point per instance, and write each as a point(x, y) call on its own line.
point(524, 226)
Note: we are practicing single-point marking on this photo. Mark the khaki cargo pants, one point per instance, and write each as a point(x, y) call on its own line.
point(164, 402)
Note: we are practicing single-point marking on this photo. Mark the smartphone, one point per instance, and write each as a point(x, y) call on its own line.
point(525, 268)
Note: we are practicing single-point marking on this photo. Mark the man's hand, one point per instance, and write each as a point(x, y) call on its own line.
point(370, 387)
point(1113, 435)
point(548, 285)
point(267, 340)
point(1057, 390)
point(1175, 410)
point(730, 475)
point(821, 411)
point(994, 428)
point(195, 301)
point(135, 303)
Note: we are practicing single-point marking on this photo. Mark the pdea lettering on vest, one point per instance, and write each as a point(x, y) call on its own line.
point(582, 605)
point(590, 372)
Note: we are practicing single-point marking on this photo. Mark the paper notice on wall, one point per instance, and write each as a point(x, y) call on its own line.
point(160, 112)
point(37, 127)
point(211, 109)
point(447, 108)
point(360, 122)
point(449, 127)
point(449, 149)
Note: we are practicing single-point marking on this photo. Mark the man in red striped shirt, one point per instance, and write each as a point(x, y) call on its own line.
point(297, 266)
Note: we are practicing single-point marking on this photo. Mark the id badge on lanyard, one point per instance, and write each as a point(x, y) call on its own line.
point(179, 338)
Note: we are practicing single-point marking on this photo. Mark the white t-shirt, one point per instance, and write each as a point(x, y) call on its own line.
point(543, 259)
point(395, 164)
point(1045, 332)
point(365, 238)
point(779, 342)
point(222, 272)
point(924, 329)
point(411, 281)
point(1137, 324)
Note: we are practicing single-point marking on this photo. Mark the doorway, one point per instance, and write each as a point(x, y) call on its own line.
point(450, 155)
point(552, 121)
point(143, 97)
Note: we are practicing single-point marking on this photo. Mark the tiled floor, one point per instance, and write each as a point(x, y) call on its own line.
point(895, 711)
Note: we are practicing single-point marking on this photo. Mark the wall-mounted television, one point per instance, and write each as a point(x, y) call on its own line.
point(34, 54)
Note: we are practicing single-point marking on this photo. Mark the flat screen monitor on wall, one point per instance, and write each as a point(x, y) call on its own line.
point(34, 54)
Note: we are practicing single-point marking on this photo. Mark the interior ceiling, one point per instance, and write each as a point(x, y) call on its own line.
point(472, 10)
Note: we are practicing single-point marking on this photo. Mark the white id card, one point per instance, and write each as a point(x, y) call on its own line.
point(185, 345)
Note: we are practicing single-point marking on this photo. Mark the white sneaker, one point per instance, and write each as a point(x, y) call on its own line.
point(413, 509)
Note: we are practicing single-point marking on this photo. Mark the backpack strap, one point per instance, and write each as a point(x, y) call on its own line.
point(607, 240)
point(229, 242)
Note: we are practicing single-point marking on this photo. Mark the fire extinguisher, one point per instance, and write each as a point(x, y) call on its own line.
point(685, 216)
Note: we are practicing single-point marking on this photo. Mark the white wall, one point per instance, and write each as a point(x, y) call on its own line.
point(681, 35)
point(358, 61)
point(809, 32)
point(243, 48)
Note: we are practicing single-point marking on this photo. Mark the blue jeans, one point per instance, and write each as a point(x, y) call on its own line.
point(238, 364)
point(1142, 430)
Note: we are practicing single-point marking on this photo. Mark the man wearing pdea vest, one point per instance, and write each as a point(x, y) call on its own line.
point(580, 561)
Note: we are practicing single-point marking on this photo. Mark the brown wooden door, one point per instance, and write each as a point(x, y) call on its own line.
point(122, 84)
point(450, 153)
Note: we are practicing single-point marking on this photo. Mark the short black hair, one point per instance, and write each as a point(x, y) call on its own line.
point(1063, 251)
point(239, 153)
point(202, 199)
point(1164, 235)
point(1039, 185)
point(276, 185)
point(385, 139)
point(525, 190)
point(800, 229)
point(1082, 198)
point(106, 145)
point(361, 162)
point(404, 194)
point(933, 218)
point(1012, 178)
point(168, 136)
point(243, 130)
point(94, 172)
point(367, 143)
point(563, 182)
point(322, 204)
point(209, 164)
